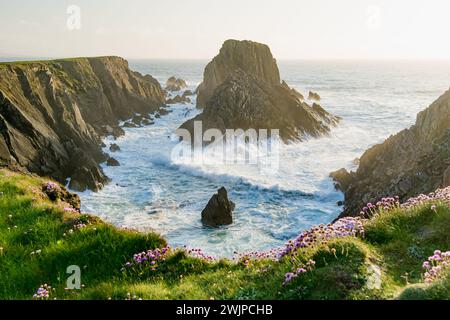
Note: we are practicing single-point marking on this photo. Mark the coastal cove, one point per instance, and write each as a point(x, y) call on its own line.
point(149, 191)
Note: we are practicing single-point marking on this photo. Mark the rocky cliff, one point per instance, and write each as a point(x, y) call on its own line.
point(54, 113)
point(242, 89)
point(414, 161)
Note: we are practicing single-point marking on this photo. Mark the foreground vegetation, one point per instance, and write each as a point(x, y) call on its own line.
point(42, 233)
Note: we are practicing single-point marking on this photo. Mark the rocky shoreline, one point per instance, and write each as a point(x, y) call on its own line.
point(53, 114)
point(414, 161)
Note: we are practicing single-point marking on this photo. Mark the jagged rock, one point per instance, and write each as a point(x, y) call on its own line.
point(219, 210)
point(114, 147)
point(137, 119)
point(342, 177)
point(53, 114)
point(87, 176)
point(57, 192)
point(129, 124)
point(414, 161)
point(108, 130)
point(251, 57)
point(313, 96)
point(164, 111)
point(241, 89)
point(178, 99)
point(294, 92)
point(242, 102)
point(187, 93)
point(147, 122)
point(111, 162)
point(446, 178)
point(175, 84)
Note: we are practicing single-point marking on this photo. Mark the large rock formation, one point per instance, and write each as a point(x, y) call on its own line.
point(175, 84)
point(242, 89)
point(251, 57)
point(219, 210)
point(414, 161)
point(54, 113)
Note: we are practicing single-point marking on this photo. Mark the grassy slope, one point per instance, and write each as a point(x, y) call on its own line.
point(395, 245)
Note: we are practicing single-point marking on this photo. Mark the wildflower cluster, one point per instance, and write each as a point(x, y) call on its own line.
point(42, 293)
point(436, 265)
point(150, 258)
point(288, 277)
point(247, 257)
point(198, 253)
point(51, 187)
point(439, 195)
point(385, 204)
point(389, 203)
point(345, 227)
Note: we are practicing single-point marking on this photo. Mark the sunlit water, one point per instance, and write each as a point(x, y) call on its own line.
point(151, 190)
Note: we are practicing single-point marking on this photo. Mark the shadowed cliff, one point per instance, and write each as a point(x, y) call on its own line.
point(414, 161)
point(54, 113)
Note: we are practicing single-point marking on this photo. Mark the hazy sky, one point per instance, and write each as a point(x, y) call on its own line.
point(294, 29)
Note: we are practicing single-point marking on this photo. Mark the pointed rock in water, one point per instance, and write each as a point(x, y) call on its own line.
point(219, 209)
point(111, 162)
point(175, 84)
point(114, 147)
point(313, 96)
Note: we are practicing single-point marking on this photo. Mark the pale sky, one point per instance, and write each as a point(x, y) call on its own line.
point(195, 29)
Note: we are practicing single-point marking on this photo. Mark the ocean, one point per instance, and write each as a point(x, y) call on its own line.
point(153, 191)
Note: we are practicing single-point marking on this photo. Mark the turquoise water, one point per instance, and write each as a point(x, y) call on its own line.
point(152, 190)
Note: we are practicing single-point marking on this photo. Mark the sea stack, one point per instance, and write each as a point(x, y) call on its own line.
point(414, 161)
point(219, 210)
point(242, 89)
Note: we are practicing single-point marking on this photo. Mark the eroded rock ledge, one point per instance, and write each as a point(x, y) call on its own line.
point(414, 161)
point(53, 114)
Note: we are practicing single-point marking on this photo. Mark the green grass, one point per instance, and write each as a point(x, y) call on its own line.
point(384, 264)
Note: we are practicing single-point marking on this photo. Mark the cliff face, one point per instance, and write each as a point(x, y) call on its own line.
point(414, 161)
point(242, 89)
point(251, 57)
point(53, 114)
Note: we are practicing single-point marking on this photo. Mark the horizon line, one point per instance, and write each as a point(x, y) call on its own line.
point(18, 58)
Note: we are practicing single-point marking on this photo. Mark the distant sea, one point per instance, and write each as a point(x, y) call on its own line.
point(151, 191)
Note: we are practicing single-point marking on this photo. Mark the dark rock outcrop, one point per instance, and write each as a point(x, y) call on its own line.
point(241, 89)
point(55, 192)
point(219, 210)
point(243, 102)
point(175, 84)
point(178, 99)
point(313, 96)
point(111, 162)
point(414, 161)
point(114, 147)
point(53, 114)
